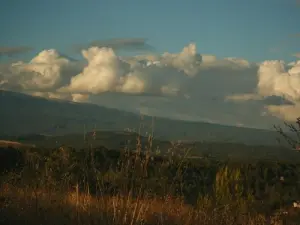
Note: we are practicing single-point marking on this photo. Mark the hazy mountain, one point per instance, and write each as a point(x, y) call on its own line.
point(22, 114)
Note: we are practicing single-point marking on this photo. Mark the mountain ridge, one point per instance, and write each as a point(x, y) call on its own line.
point(23, 114)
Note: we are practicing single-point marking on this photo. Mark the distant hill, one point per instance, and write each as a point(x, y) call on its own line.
point(24, 115)
point(14, 144)
point(120, 140)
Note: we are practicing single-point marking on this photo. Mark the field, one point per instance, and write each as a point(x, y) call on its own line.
point(131, 180)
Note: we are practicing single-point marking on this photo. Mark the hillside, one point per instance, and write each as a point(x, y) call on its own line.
point(21, 114)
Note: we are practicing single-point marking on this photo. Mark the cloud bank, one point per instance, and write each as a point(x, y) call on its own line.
point(276, 78)
point(185, 85)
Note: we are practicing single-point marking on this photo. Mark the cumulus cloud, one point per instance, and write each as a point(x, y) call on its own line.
point(103, 72)
point(45, 72)
point(187, 61)
point(276, 78)
point(195, 85)
point(107, 72)
point(41, 76)
point(167, 74)
point(55, 75)
point(196, 79)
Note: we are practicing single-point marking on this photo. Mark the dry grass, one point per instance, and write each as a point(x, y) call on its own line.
point(46, 207)
point(37, 203)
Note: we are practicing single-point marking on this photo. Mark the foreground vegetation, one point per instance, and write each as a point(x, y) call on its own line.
point(143, 186)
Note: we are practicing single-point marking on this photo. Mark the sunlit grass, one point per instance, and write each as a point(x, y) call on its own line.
point(62, 189)
point(43, 207)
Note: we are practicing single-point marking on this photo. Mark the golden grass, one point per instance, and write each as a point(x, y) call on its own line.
point(49, 206)
point(46, 207)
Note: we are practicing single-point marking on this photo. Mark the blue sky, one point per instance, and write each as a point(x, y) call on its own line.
point(255, 30)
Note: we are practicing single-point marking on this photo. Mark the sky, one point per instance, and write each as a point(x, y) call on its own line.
point(228, 28)
point(227, 61)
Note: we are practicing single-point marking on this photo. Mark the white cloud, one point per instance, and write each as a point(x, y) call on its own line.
point(276, 78)
point(103, 72)
point(208, 58)
point(45, 72)
point(131, 84)
point(106, 72)
point(168, 74)
point(41, 76)
point(187, 61)
point(194, 84)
